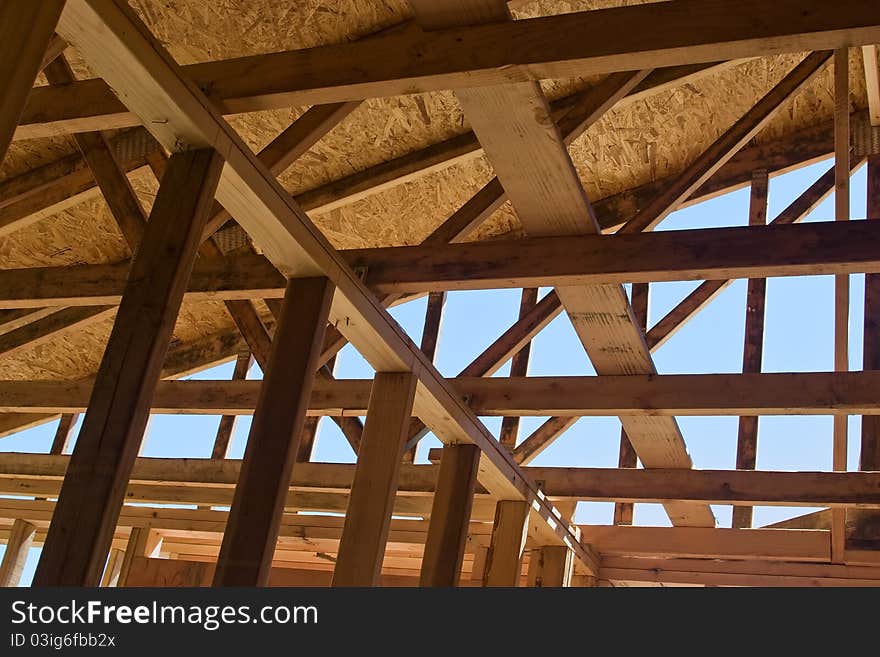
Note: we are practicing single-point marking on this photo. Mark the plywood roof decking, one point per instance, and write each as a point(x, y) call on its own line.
point(636, 143)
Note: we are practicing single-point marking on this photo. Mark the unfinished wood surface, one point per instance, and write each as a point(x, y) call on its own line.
point(625, 39)
point(64, 433)
point(362, 547)
point(113, 568)
point(530, 159)
point(18, 546)
point(841, 282)
point(428, 345)
point(25, 33)
point(695, 254)
point(727, 145)
point(116, 44)
point(119, 406)
point(798, 393)
point(519, 366)
point(550, 567)
point(227, 422)
point(249, 539)
point(450, 516)
point(508, 541)
point(667, 326)
point(872, 82)
point(142, 542)
point(541, 438)
point(753, 346)
point(870, 443)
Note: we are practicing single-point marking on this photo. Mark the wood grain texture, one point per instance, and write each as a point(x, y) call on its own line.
point(249, 540)
point(119, 406)
point(362, 546)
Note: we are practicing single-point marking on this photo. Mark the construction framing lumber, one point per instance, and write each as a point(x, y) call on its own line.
point(870, 439)
point(450, 515)
point(492, 54)
point(113, 427)
point(18, 546)
point(273, 442)
point(113, 40)
point(25, 33)
point(798, 393)
point(508, 541)
point(753, 346)
point(213, 481)
point(368, 517)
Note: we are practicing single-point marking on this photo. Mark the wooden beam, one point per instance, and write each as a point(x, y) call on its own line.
point(98, 154)
point(550, 566)
point(119, 405)
point(362, 547)
point(115, 42)
point(753, 347)
point(113, 569)
point(736, 572)
point(243, 364)
point(714, 157)
point(207, 479)
point(428, 345)
point(56, 47)
point(142, 542)
point(450, 515)
point(18, 546)
point(508, 541)
point(482, 55)
point(708, 290)
point(798, 393)
point(675, 255)
point(841, 282)
point(872, 82)
point(711, 543)
point(541, 438)
point(870, 444)
point(25, 33)
point(519, 366)
point(249, 540)
point(64, 433)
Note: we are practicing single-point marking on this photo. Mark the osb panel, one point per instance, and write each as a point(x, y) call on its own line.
point(632, 145)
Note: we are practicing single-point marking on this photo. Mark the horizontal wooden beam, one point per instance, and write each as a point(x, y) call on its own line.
point(800, 393)
point(706, 572)
point(204, 478)
point(412, 61)
point(705, 254)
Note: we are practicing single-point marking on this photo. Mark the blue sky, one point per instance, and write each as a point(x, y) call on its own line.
point(798, 337)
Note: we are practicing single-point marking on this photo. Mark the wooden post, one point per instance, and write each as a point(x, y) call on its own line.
point(753, 347)
point(142, 542)
point(90, 499)
point(20, 540)
point(113, 569)
point(26, 28)
point(869, 458)
point(450, 514)
point(551, 566)
point(243, 364)
point(627, 457)
point(362, 547)
point(63, 433)
point(519, 366)
point(508, 541)
point(841, 282)
point(430, 339)
point(252, 530)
